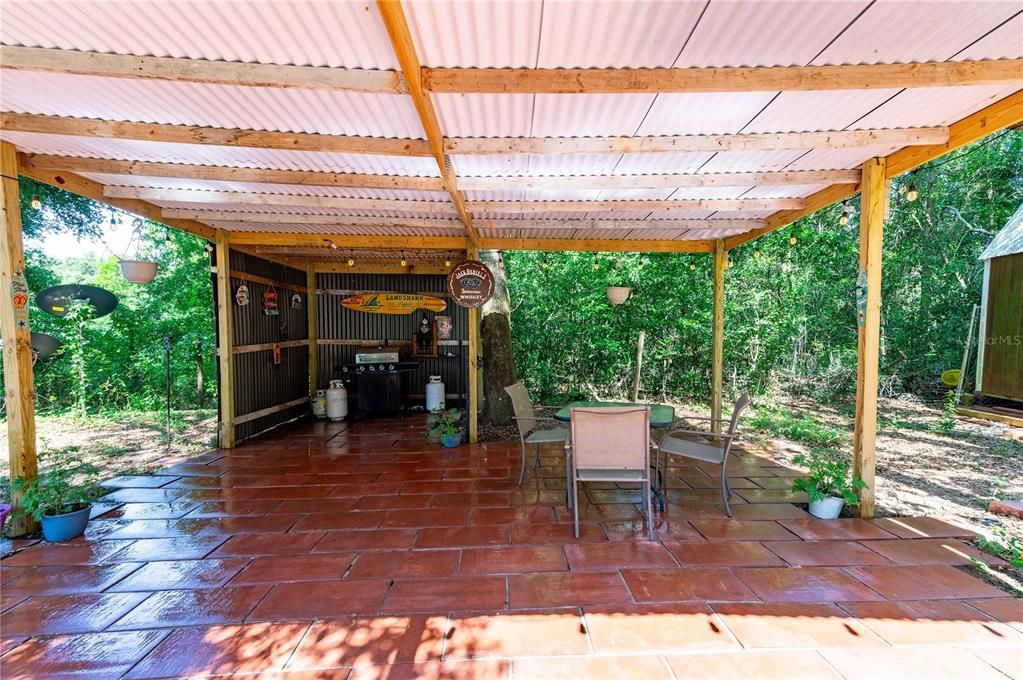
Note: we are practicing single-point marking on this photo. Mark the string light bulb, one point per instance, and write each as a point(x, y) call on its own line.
point(351, 260)
point(902, 190)
point(756, 254)
point(912, 194)
point(36, 203)
point(404, 262)
point(500, 262)
point(792, 240)
point(692, 265)
point(596, 264)
point(447, 262)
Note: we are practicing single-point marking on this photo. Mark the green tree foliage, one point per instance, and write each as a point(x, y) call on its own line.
point(790, 309)
point(121, 354)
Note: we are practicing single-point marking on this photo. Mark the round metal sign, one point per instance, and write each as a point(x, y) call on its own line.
point(471, 283)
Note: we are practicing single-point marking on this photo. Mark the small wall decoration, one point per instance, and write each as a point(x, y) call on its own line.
point(277, 353)
point(241, 295)
point(270, 302)
point(19, 296)
point(471, 283)
point(296, 301)
point(443, 327)
point(424, 342)
point(393, 303)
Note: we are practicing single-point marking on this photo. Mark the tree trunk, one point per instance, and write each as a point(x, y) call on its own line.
point(495, 335)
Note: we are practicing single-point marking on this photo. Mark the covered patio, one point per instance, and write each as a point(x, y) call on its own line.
point(336, 148)
point(356, 551)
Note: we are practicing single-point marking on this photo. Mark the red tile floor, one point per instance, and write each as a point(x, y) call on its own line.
point(360, 551)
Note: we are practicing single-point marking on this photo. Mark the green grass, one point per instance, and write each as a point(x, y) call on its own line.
point(802, 428)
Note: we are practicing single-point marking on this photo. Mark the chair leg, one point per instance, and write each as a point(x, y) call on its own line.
point(725, 491)
point(522, 468)
point(575, 505)
point(536, 461)
point(569, 491)
point(649, 511)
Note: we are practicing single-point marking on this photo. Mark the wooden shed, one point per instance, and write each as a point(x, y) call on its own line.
point(1000, 357)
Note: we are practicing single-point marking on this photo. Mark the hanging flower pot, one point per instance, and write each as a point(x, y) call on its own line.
point(616, 295)
point(138, 271)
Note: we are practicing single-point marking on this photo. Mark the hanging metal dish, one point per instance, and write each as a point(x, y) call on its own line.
point(43, 345)
point(58, 299)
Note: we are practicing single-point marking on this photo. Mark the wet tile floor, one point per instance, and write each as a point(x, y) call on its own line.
point(360, 551)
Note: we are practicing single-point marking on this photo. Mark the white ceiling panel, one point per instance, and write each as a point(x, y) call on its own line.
point(703, 113)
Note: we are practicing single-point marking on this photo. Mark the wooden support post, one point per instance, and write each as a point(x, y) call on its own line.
point(311, 315)
point(225, 341)
point(718, 333)
point(873, 196)
point(19, 390)
point(473, 253)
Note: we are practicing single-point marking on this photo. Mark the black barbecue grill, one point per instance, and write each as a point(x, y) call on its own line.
point(378, 382)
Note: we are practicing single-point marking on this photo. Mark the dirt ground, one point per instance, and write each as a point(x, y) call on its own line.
point(123, 443)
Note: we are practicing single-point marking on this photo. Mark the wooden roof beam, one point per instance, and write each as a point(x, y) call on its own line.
point(82, 186)
point(229, 174)
point(404, 48)
point(238, 197)
point(782, 141)
point(613, 206)
point(1002, 114)
point(730, 79)
point(599, 245)
point(673, 181)
point(202, 71)
point(191, 134)
point(615, 224)
point(292, 218)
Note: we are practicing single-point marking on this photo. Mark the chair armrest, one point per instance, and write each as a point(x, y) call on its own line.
point(700, 433)
point(536, 418)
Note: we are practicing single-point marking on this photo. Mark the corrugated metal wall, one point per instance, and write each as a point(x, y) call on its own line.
point(260, 384)
point(338, 323)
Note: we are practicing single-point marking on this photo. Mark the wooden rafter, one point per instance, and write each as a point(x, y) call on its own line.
point(191, 134)
point(998, 116)
point(229, 174)
point(612, 206)
point(734, 79)
point(673, 181)
point(83, 186)
point(200, 70)
point(291, 218)
point(401, 40)
point(236, 197)
point(599, 245)
point(588, 224)
point(781, 141)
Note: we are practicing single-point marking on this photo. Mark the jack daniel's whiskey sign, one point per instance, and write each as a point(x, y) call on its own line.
point(470, 283)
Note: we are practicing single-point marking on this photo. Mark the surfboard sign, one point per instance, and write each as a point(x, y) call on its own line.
point(393, 303)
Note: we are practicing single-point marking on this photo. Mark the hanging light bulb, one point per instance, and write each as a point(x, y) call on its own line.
point(36, 203)
point(351, 260)
point(447, 262)
point(912, 194)
point(756, 254)
point(500, 262)
point(115, 221)
point(333, 245)
point(692, 265)
point(902, 190)
point(792, 240)
point(596, 264)
point(843, 220)
point(404, 262)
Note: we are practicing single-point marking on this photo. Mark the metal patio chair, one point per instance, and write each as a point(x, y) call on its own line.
point(610, 444)
point(527, 420)
point(706, 447)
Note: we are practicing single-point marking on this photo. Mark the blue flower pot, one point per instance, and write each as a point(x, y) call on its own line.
point(451, 441)
point(64, 527)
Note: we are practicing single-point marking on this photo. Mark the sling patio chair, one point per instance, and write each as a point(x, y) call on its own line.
point(706, 447)
point(610, 444)
point(527, 420)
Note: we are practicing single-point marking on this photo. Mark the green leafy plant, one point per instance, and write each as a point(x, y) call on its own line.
point(802, 427)
point(67, 484)
point(445, 424)
point(829, 475)
point(1004, 545)
point(947, 424)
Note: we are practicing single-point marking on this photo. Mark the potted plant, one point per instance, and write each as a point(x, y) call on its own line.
point(445, 427)
point(61, 497)
point(829, 484)
point(617, 295)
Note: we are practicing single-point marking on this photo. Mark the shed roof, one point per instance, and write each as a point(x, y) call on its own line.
point(499, 155)
point(1009, 241)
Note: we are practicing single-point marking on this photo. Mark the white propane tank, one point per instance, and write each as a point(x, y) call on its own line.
point(320, 404)
point(337, 401)
point(434, 394)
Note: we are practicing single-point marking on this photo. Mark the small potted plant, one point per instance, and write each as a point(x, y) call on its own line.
point(61, 497)
point(445, 427)
point(829, 484)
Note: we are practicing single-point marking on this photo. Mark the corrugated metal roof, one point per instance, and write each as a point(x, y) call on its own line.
point(1009, 241)
point(220, 106)
point(303, 32)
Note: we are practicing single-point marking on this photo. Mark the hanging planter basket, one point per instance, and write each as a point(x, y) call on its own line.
point(138, 271)
point(616, 295)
